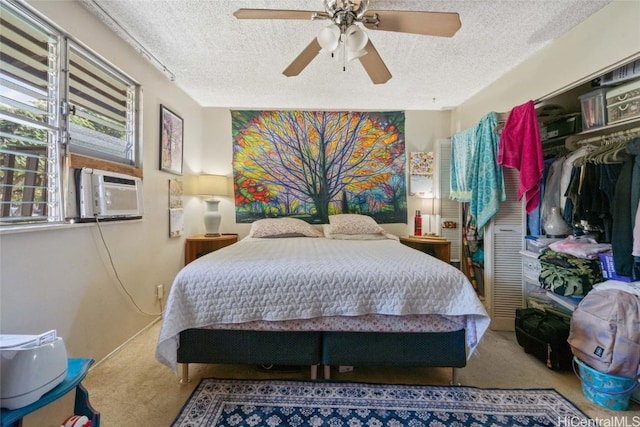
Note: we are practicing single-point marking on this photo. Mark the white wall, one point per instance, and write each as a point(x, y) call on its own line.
point(608, 37)
point(61, 278)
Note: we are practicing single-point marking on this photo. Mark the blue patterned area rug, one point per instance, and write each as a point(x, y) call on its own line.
point(271, 403)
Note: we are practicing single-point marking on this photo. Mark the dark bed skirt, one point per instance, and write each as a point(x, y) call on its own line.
point(427, 349)
point(250, 347)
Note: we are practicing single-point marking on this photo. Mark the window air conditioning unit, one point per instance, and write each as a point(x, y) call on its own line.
point(108, 195)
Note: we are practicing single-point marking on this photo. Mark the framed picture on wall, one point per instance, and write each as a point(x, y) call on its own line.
point(421, 165)
point(171, 141)
point(176, 211)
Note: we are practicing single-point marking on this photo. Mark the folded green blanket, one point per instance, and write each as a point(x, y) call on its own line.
point(568, 275)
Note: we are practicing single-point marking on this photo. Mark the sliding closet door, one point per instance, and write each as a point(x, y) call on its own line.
point(503, 265)
point(450, 210)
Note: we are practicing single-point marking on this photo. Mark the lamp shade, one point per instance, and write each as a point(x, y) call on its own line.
point(212, 185)
point(329, 38)
point(428, 206)
point(356, 41)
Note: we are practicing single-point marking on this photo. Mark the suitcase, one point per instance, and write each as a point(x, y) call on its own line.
point(544, 335)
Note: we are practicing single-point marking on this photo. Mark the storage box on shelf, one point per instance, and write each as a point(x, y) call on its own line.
point(593, 106)
point(623, 102)
point(564, 126)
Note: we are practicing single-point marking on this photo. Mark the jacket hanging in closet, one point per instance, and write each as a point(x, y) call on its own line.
point(625, 204)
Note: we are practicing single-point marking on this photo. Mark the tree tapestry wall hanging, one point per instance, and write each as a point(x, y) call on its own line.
point(312, 164)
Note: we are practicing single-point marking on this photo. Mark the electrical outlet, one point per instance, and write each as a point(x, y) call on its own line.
point(160, 291)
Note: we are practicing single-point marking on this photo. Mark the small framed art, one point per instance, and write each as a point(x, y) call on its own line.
point(176, 211)
point(171, 141)
point(421, 166)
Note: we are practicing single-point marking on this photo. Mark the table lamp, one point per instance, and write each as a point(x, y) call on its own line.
point(210, 186)
point(429, 210)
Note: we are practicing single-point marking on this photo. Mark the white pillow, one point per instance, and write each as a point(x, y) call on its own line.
point(283, 227)
point(326, 228)
point(354, 224)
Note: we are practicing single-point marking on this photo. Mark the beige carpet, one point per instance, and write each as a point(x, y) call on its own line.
point(130, 388)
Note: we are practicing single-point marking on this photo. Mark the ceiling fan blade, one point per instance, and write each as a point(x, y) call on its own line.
point(302, 60)
point(277, 14)
point(442, 24)
point(374, 66)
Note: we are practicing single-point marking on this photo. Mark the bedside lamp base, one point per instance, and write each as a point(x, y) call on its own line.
point(212, 218)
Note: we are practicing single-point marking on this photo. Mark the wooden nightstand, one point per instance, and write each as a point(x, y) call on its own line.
point(440, 249)
point(196, 246)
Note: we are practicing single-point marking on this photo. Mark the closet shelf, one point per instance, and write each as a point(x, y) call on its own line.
point(572, 140)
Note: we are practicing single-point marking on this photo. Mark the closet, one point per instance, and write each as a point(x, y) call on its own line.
point(505, 284)
point(502, 264)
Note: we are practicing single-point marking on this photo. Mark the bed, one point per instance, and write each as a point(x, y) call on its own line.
point(292, 294)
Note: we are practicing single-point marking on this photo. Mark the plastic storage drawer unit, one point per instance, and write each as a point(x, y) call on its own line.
point(623, 102)
point(593, 107)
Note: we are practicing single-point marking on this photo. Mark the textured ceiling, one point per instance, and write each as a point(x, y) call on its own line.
point(221, 61)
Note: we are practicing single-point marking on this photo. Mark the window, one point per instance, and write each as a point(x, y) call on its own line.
point(56, 98)
point(102, 122)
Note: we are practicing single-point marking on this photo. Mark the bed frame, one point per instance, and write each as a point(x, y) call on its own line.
point(427, 349)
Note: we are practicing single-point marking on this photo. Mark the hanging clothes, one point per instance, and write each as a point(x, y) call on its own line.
point(534, 224)
point(463, 148)
point(551, 196)
point(593, 172)
point(520, 148)
point(608, 177)
point(572, 193)
point(633, 148)
point(488, 183)
point(567, 167)
point(636, 235)
point(589, 204)
point(621, 244)
point(476, 176)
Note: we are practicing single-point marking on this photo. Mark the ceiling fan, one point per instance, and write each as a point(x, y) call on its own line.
point(345, 36)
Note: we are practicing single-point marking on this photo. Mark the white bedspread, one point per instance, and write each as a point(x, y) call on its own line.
point(305, 278)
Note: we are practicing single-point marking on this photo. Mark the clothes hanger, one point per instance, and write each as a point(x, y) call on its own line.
point(612, 150)
point(617, 153)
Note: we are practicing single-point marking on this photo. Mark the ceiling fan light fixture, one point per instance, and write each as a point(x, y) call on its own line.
point(349, 40)
point(329, 38)
point(356, 40)
point(355, 55)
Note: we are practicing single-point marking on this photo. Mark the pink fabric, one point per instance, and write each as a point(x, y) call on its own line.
point(636, 234)
point(520, 148)
point(581, 247)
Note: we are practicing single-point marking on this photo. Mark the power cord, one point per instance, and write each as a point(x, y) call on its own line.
point(118, 277)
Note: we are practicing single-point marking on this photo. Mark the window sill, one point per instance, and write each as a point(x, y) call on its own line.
point(15, 229)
